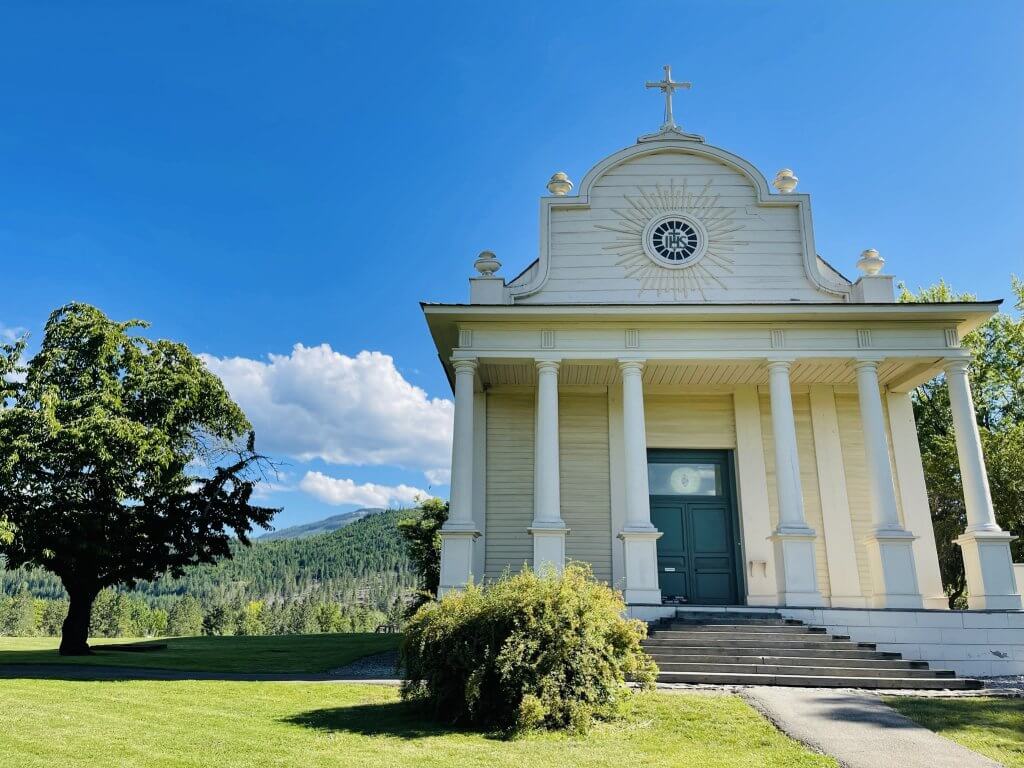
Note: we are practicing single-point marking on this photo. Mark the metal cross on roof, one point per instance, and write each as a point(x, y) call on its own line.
point(668, 86)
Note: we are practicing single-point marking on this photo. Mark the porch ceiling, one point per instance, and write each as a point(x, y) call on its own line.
point(895, 373)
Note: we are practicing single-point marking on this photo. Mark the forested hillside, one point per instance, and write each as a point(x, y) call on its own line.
point(327, 525)
point(358, 571)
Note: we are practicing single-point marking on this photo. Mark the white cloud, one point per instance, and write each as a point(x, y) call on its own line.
point(337, 490)
point(316, 403)
point(438, 476)
point(11, 333)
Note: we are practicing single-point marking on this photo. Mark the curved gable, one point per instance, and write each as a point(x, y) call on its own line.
point(755, 246)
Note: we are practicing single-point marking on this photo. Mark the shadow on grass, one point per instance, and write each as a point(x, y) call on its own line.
point(265, 657)
point(992, 714)
point(401, 719)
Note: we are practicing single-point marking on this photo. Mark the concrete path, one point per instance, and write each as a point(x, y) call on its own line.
point(859, 730)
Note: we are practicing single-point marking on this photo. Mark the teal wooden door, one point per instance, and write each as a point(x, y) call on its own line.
point(692, 504)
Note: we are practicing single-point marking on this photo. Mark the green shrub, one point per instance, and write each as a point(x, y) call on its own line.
point(528, 651)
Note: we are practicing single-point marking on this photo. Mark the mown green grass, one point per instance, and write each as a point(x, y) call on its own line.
point(991, 726)
point(277, 653)
point(147, 724)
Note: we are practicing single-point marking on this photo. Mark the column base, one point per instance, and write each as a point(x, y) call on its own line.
point(991, 584)
point(640, 557)
point(456, 559)
point(796, 567)
point(548, 548)
point(893, 572)
point(847, 601)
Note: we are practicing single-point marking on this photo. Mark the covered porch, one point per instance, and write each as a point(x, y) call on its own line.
point(554, 450)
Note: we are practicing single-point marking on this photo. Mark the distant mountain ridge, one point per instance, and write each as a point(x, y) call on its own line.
point(362, 563)
point(327, 525)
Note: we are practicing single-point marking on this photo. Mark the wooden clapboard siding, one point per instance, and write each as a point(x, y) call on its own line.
point(690, 421)
point(808, 477)
point(767, 249)
point(583, 462)
point(510, 428)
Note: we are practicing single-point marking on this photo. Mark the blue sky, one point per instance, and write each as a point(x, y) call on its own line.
point(254, 176)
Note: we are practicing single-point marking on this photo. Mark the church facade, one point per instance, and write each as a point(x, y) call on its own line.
point(680, 392)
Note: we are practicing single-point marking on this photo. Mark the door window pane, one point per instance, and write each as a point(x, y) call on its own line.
point(684, 479)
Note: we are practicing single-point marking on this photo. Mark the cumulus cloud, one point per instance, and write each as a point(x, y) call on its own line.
point(438, 476)
point(316, 403)
point(11, 333)
point(337, 490)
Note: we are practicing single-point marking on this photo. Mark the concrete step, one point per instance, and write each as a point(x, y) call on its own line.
point(826, 651)
point(828, 670)
point(682, 613)
point(889, 661)
point(714, 634)
point(744, 629)
point(708, 641)
point(687, 623)
point(821, 681)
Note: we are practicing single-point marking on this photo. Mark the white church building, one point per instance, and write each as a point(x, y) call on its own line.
point(682, 393)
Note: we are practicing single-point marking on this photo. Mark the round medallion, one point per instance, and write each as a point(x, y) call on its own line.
point(675, 240)
point(685, 480)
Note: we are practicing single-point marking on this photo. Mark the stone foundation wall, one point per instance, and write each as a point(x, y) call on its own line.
point(971, 643)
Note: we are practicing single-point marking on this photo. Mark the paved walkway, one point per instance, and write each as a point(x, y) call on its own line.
point(857, 729)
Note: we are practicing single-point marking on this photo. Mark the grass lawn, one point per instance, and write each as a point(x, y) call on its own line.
point(284, 653)
point(146, 724)
point(991, 726)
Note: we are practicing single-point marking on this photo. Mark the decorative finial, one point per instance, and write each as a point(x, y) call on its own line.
point(870, 262)
point(487, 264)
point(785, 181)
point(559, 184)
point(667, 87)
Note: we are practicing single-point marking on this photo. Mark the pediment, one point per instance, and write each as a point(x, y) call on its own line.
point(676, 221)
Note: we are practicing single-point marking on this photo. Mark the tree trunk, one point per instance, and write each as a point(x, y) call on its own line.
point(74, 637)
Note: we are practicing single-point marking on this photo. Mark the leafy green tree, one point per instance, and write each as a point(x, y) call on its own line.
point(111, 615)
point(52, 617)
point(157, 623)
point(251, 619)
point(121, 458)
point(302, 618)
point(997, 386)
point(20, 619)
point(422, 534)
point(327, 617)
point(275, 619)
point(219, 620)
point(185, 618)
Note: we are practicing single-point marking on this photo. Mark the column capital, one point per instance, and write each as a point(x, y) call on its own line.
point(465, 364)
point(956, 365)
point(780, 363)
point(865, 364)
point(547, 366)
point(629, 366)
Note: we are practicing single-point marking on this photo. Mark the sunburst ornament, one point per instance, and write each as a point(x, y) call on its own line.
point(674, 239)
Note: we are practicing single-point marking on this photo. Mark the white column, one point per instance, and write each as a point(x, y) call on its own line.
point(639, 536)
point(795, 559)
point(890, 545)
point(787, 458)
point(985, 546)
point(548, 529)
point(460, 531)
